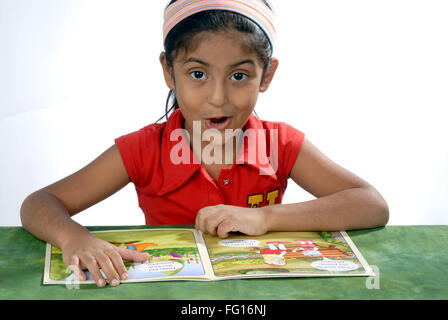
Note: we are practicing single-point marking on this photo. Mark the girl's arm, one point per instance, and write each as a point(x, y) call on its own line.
point(344, 201)
point(47, 214)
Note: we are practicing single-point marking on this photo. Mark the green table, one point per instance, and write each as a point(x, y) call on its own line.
point(412, 263)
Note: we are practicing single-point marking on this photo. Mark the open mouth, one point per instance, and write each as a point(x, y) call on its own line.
point(218, 123)
point(218, 120)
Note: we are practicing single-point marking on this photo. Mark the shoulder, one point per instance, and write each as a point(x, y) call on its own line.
point(147, 133)
point(285, 142)
point(287, 135)
point(142, 150)
point(154, 133)
point(139, 151)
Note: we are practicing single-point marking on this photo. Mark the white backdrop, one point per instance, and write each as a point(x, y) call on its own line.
point(365, 80)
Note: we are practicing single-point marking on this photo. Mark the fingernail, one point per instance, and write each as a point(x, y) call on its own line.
point(124, 276)
point(101, 283)
point(115, 282)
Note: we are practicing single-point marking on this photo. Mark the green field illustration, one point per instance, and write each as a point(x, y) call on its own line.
point(171, 253)
point(282, 253)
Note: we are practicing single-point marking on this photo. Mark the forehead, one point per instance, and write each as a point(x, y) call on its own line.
point(219, 45)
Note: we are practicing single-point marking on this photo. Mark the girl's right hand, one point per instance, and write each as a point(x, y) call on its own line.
point(92, 253)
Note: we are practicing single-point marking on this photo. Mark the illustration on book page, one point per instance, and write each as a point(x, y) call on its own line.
point(285, 254)
point(172, 255)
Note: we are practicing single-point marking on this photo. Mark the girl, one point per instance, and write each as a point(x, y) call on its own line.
point(212, 163)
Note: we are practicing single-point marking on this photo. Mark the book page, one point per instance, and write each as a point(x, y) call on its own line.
point(174, 255)
point(285, 254)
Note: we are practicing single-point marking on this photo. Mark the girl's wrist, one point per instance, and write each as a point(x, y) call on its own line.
point(268, 218)
point(72, 234)
point(282, 217)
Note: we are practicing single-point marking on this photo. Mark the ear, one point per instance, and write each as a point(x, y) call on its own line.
point(167, 71)
point(268, 75)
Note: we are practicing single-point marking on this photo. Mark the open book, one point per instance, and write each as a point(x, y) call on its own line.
point(188, 254)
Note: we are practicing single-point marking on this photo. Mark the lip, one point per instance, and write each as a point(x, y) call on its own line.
point(218, 126)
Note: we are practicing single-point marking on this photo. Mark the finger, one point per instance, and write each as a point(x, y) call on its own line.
point(210, 225)
point(199, 220)
point(213, 221)
point(117, 261)
point(108, 269)
point(224, 228)
point(203, 216)
point(83, 266)
point(74, 265)
point(92, 265)
point(131, 255)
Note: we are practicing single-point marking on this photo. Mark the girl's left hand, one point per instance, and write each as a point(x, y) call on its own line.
point(222, 219)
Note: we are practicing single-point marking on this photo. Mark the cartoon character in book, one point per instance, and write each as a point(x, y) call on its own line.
point(309, 249)
point(274, 255)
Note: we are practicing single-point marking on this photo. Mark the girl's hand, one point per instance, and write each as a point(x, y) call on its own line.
point(222, 219)
point(92, 253)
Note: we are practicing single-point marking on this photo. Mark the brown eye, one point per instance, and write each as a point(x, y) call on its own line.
point(239, 76)
point(198, 75)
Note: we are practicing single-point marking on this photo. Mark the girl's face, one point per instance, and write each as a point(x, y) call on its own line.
point(217, 82)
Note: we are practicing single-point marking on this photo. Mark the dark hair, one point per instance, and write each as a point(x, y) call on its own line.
point(213, 20)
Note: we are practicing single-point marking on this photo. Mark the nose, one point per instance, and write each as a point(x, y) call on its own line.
point(217, 94)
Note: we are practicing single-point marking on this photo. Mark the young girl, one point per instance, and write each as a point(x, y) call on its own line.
point(213, 163)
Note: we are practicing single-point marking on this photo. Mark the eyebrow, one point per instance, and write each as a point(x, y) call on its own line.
point(250, 61)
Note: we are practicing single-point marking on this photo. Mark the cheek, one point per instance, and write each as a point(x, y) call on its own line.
point(187, 98)
point(245, 100)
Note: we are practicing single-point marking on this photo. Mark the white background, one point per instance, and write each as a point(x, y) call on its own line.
point(367, 81)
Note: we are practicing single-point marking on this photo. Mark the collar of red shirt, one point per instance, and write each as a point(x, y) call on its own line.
point(176, 175)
